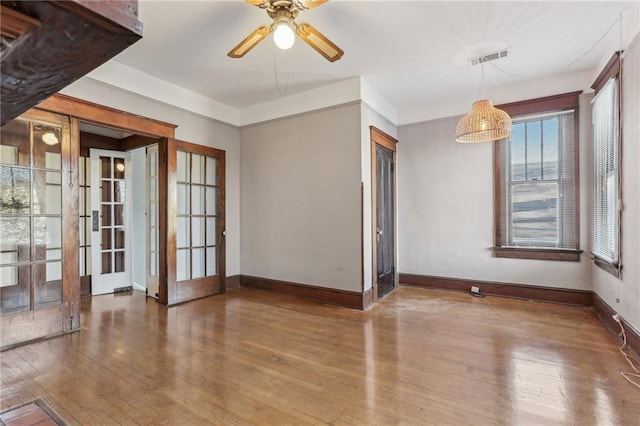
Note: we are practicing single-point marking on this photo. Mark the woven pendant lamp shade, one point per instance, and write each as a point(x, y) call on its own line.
point(484, 123)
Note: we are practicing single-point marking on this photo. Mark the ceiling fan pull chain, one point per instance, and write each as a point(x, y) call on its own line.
point(275, 71)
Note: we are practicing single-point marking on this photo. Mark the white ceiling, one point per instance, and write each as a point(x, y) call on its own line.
point(407, 51)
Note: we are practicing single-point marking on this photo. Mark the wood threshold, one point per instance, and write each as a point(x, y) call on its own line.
point(344, 298)
point(519, 291)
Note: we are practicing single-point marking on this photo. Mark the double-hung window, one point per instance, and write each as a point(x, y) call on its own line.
point(536, 181)
point(605, 232)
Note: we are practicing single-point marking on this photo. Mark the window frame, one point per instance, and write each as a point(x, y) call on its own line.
point(547, 104)
point(613, 68)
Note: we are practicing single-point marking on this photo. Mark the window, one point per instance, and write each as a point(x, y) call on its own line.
point(536, 181)
point(606, 171)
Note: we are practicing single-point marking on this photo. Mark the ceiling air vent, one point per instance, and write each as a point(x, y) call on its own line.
point(488, 57)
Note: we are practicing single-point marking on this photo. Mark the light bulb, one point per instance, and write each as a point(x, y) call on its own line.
point(284, 36)
point(120, 167)
point(50, 138)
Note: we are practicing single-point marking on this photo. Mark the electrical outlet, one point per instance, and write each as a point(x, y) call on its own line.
point(475, 289)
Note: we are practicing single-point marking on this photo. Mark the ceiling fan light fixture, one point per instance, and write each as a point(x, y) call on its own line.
point(485, 123)
point(283, 35)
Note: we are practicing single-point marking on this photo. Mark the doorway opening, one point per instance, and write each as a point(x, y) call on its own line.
point(118, 211)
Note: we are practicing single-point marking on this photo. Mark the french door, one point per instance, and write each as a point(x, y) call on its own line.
point(195, 221)
point(38, 228)
point(110, 219)
point(152, 222)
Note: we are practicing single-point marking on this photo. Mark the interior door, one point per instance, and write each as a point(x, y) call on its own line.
point(152, 222)
point(385, 221)
point(38, 228)
point(195, 221)
point(110, 219)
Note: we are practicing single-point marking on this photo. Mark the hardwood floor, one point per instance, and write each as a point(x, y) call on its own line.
point(251, 357)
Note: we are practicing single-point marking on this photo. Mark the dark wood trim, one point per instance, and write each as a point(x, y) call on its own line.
point(85, 285)
point(90, 140)
point(611, 69)
point(538, 253)
point(136, 141)
point(378, 137)
point(559, 102)
point(518, 291)
point(555, 103)
point(347, 299)
point(163, 226)
point(232, 281)
point(605, 314)
point(14, 24)
point(613, 269)
point(105, 116)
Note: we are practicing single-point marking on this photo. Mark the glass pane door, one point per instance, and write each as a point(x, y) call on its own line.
point(153, 249)
point(32, 154)
point(110, 219)
point(198, 222)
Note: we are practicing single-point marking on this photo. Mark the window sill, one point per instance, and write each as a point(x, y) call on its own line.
point(607, 266)
point(538, 253)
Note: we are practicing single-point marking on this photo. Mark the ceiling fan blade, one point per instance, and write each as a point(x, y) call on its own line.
point(250, 42)
point(319, 42)
point(310, 4)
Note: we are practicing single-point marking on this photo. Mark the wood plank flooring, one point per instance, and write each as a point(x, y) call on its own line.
point(419, 356)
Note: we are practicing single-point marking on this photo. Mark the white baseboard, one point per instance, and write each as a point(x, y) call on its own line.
point(138, 287)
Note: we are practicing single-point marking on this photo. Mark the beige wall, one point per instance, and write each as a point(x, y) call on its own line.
point(300, 196)
point(191, 128)
point(623, 295)
point(446, 210)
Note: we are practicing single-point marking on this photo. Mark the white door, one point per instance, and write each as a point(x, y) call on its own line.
point(110, 219)
point(152, 221)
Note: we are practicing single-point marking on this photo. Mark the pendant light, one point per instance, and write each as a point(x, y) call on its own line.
point(485, 123)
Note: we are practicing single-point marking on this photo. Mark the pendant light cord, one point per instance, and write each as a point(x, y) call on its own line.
point(275, 71)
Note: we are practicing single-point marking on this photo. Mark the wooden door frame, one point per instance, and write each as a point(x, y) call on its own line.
point(378, 137)
point(81, 110)
point(173, 297)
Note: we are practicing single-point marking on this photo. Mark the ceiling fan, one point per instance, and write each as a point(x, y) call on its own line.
point(283, 13)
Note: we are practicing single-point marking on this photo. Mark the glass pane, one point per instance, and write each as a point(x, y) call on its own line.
point(47, 234)
point(197, 200)
point(152, 189)
point(54, 254)
point(15, 190)
point(81, 262)
point(183, 167)
point(106, 215)
point(197, 168)
point(46, 146)
point(212, 263)
point(88, 254)
point(534, 151)
point(118, 214)
point(534, 218)
point(47, 279)
point(106, 191)
point(88, 232)
point(183, 266)
point(183, 233)
point(106, 239)
point(152, 238)
point(118, 168)
point(211, 200)
point(53, 160)
point(550, 135)
point(153, 265)
point(119, 191)
point(153, 164)
point(198, 263)
point(82, 226)
point(211, 231)
point(81, 207)
point(106, 262)
point(152, 214)
point(183, 199)
point(17, 295)
point(81, 170)
point(119, 258)
point(15, 148)
point(15, 237)
point(119, 237)
point(105, 167)
point(87, 198)
point(197, 231)
point(212, 170)
point(47, 194)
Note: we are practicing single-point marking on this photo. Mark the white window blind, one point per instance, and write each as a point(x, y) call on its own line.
point(605, 232)
point(538, 183)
